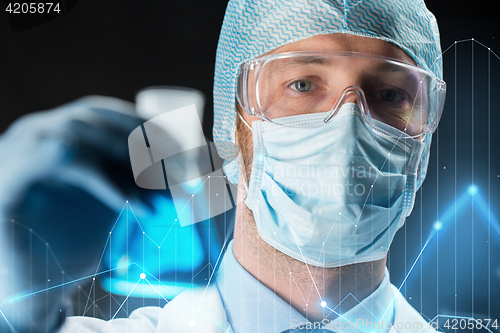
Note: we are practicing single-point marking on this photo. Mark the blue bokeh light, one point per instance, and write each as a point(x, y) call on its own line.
point(472, 189)
point(438, 225)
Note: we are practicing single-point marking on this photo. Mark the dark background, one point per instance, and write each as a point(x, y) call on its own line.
point(115, 48)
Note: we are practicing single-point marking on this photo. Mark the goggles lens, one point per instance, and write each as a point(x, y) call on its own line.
point(403, 96)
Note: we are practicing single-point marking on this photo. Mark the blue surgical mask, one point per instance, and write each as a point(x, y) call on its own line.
point(333, 194)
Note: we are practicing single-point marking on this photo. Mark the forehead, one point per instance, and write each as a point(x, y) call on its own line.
point(347, 42)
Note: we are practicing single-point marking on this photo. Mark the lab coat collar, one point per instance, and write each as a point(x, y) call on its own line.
point(252, 307)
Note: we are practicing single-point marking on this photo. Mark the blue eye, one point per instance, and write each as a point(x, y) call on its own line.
point(301, 86)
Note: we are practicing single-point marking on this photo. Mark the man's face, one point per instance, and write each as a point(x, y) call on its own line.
point(347, 76)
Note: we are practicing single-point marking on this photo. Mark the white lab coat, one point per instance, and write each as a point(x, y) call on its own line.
point(200, 310)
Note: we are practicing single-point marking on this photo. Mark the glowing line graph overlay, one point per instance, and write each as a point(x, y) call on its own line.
point(142, 278)
point(468, 198)
point(471, 194)
point(474, 194)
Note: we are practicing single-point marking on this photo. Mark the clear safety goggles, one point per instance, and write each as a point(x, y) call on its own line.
point(401, 95)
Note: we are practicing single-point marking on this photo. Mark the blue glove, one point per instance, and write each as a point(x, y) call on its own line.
point(64, 175)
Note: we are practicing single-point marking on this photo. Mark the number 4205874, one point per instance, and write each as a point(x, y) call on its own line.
point(33, 7)
point(462, 323)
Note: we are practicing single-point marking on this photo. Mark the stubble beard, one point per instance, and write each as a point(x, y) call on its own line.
point(259, 247)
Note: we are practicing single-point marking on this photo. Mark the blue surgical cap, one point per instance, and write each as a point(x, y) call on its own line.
point(252, 28)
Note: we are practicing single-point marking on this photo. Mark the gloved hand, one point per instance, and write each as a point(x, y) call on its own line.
point(65, 174)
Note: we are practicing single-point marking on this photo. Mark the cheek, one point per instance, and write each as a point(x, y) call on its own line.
point(245, 145)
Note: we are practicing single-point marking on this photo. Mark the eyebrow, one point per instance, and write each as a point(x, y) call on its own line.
point(307, 60)
point(390, 67)
point(323, 61)
point(384, 67)
point(282, 66)
point(311, 60)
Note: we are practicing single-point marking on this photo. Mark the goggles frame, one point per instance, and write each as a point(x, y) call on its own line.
point(437, 87)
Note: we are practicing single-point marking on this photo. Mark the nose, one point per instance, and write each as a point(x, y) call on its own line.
point(351, 94)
